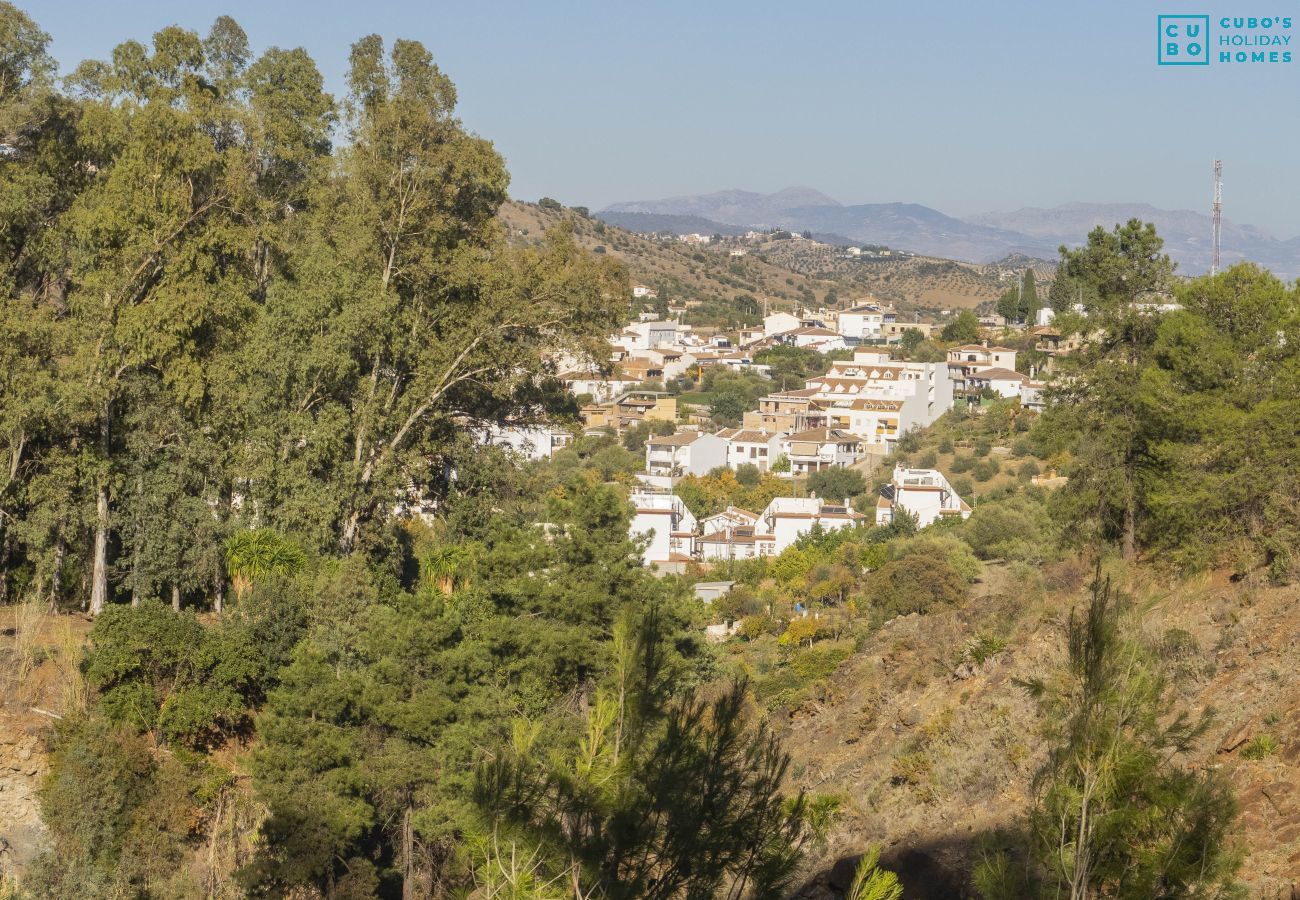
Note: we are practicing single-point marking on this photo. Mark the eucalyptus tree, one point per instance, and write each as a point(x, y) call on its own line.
point(403, 310)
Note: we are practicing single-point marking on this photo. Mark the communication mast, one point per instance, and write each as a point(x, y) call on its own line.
point(1218, 212)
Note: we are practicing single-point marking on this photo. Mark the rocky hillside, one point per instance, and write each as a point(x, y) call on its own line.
point(782, 271)
point(933, 747)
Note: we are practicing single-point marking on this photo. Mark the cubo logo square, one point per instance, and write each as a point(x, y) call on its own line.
point(1184, 40)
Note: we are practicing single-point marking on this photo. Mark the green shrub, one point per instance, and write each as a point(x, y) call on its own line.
point(962, 463)
point(915, 584)
point(927, 460)
point(956, 552)
point(1261, 746)
point(945, 445)
point(1018, 528)
point(985, 469)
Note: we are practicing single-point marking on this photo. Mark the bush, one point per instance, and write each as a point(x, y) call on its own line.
point(963, 463)
point(985, 469)
point(1028, 470)
point(956, 552)
point(927, 460)
point(915, 584)
point(748, 475)
point(1013, 529)
point(945, 445)
point(964, 487)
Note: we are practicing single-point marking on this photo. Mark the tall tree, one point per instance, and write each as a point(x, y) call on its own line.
point(1098, 413)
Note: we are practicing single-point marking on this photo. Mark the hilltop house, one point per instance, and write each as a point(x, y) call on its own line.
point(925, 493)
point(685, 453)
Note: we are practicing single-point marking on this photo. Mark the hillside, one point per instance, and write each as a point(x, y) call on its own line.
point(783, 271)
point(935, 757)
point(679, 271)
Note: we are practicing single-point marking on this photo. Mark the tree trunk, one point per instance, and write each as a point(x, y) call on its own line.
point(218, 593)
point(408, 864)
point(176, 597)
point(99, 577)
point(1130, 530)
point(56, 577)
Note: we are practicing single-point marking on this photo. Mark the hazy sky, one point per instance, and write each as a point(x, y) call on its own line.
point(962, 106)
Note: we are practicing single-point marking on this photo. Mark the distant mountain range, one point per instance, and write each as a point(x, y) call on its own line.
point(981, 238)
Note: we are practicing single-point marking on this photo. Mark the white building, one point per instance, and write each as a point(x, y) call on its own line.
point(1003, 382)
point(787, 518)
point(530, 441)
point(820, 448)
point(670, 526)
point(648, 335)
point(779, 323)
point(925, 493)
point(973, 357)
point(924, 389)
point(685, 453)
point(814, 337)
point(864, 322)
point(758, 447)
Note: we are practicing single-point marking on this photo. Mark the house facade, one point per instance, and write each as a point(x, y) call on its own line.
point(925, 493)
point(685, 453)
point(758, 447)
point(669, 527)
point(820, 448)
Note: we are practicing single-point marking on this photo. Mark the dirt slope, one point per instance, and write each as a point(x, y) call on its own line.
point(935, 757)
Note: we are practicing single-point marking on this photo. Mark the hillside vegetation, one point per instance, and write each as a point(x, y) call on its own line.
point(276, 622)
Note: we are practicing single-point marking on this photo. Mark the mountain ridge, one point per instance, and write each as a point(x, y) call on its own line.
point(982, 237)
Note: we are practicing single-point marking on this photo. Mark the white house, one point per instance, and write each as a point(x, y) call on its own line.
point(820, 448)
point(530, 441)
point(814, 337)
point(731, 517)
point(670, 526)
point(735, 542)
point(925, 493)
point(787, 518)
point(685, 453)
point(1032, 395)
point(641, 290)
point(648, 335)
point(759, 447)
point(864, 322)
point(1003, 382)
point(779, 323)
point(973, 357)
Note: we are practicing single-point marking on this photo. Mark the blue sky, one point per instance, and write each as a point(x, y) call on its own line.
point(961, 106)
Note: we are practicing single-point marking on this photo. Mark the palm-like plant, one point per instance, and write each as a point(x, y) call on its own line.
point(252, 555)
point(443, 567)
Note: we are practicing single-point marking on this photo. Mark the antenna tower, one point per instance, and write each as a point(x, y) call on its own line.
point(1218, 212)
